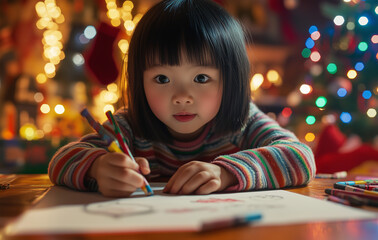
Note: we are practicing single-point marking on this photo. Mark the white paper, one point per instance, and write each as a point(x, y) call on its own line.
point(63, 210)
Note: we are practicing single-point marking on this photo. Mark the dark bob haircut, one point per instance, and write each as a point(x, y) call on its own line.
point(208, 35)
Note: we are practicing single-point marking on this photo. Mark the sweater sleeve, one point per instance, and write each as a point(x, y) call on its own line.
point(70, 163)
point(272, 157)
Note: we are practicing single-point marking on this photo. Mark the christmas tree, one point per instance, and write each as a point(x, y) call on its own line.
point(341, 61)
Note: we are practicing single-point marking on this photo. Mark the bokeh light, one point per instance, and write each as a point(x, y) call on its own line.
point(339, 20)
point(371, 113)
point(310, 120)
point(321, 102)
point(332, 68)
point(310, 137)
point(305, 89)
point(345, 117)
point(342, 92)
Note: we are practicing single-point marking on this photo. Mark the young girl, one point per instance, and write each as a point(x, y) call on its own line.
point(189, 115)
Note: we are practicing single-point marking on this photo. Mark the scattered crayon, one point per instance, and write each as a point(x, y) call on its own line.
point(337, 192)
point(356, 200)
point(354, 189)
point(370, 187)
point(335, 175)
point(348, 201)
point(230, 222)
point(367, 181)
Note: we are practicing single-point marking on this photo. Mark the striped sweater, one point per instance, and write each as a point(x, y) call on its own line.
point(262, 155)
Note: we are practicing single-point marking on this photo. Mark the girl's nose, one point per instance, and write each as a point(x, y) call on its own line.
point(182, 98)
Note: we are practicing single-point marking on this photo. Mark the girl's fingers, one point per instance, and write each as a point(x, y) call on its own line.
point(123, 175)
point(195, 182)
point(181, 176)
point(122, 160)
point(209, 187)
point(144, 167)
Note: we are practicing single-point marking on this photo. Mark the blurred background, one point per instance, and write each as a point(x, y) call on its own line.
point(314, 70)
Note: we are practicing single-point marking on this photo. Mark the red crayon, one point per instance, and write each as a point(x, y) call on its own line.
point(346, 201)
point(370, 187)
point(355, 189)
point(339, 192)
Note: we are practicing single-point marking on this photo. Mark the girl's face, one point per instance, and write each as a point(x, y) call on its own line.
point(183, 97)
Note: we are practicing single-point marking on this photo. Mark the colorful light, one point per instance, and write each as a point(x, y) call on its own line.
point(362, 46)
point(310, 43)
point(256, 81)
point(345, 117)
point(310, 120)
point(310, 137)
point(41, 78)
point(350, 26)
point(50, 16)
point(374, 39)
point(363, 20)
point(28, 131)
point(352, 74)
point(359, 66)
point(305, 89)
point(286, 112)
point(90, 32)
point(78, 59)
point(273, 76)
point(59, 109)
point(112, 87)
point(315, 35)
point(332, 68)
point(366, 94)
point(321, 102)
point(108, 107)
point(38, 97)
point(45, 108)
point(371, 113)
point(123, 45)
point(49, 68)
point(306, 53)
point(312, 29)
point(342, 92)
point(315, 56)
point(339, 20)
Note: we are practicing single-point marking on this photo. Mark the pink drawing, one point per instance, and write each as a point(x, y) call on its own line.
point(217, 200)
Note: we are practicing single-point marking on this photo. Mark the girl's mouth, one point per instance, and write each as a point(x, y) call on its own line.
point(186, 117)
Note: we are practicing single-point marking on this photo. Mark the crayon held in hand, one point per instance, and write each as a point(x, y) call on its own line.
point(122, 142)
point(112, 144)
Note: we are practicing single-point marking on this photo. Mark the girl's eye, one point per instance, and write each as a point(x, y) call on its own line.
point(162, 79)
point(201, 78)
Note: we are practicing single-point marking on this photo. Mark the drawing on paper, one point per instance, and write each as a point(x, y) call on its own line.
point(118, 208)
point(217, 200)
point(123, 208)
point(266, 197)
point(190, 210)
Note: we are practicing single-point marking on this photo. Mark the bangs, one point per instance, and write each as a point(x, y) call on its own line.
point(186, 33)
point(173, 53)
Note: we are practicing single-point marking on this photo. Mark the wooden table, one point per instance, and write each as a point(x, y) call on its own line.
point(25, 190)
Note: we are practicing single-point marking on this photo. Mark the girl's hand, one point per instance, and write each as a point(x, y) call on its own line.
point(116, 174)
point(199, 178)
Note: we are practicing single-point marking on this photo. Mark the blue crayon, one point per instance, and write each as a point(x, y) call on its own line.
point(359, 182)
